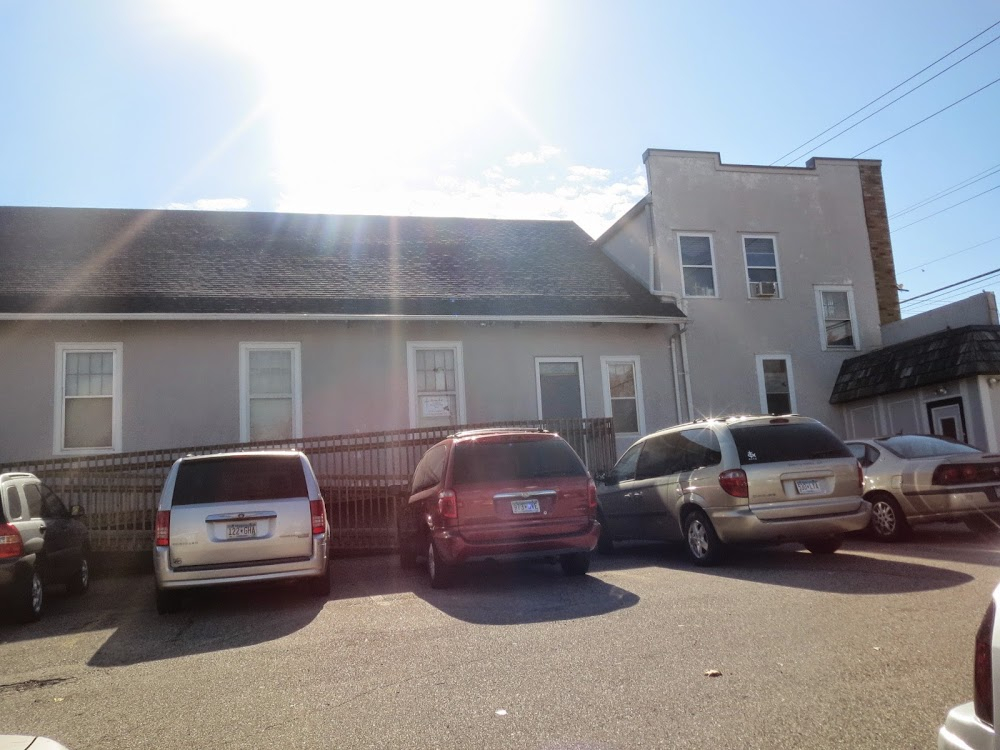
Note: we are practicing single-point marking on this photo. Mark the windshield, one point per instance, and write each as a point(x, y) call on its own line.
point(924, 446)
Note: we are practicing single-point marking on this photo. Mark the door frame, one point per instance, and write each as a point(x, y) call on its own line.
point(932, 406)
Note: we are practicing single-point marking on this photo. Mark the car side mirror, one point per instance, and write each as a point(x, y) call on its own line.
point(77, 511)
point(604, 477)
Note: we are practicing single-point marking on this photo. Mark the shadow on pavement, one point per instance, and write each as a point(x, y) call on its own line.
point(942, 541)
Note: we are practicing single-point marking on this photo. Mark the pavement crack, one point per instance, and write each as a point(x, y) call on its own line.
point(21, 687)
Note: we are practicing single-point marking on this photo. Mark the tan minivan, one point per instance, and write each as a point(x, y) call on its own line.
point(739, 479)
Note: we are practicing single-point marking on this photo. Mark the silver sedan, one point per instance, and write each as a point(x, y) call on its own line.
point(911, 479)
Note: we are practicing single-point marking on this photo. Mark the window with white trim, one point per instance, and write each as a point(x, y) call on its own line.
point(774, 379)
point(838, 321)
point(436, 383)
point(88, 398)
point(623, 394)
point(761, 256)
point(559, 381)
point(697, 264)
point(270, 390)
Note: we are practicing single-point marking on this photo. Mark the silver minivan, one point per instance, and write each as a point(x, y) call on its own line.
point(239, 518)
point(740, 479)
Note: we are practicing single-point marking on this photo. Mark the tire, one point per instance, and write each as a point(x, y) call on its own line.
point(320, 585)
point(79, 582)
point(700, 540)
point(605, 542)
point(983, 525)
point(575, 563)
point(826, 546)
point(888, 524)
point(167, 601)
point(29, 598)
point(442, 574)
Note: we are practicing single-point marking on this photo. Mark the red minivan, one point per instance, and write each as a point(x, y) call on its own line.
point(499, 494)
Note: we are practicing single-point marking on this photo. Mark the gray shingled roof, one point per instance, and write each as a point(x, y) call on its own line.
point(68, 260)
point(928, 360)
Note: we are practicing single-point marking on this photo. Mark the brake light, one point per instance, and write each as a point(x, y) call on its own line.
point(734, 482)
point(11, 544)
point(317, 509)
point(861, 479)
point(983, 669)
point(448, 504)
point(162, 528)
point(592, 498)
point(966, 474)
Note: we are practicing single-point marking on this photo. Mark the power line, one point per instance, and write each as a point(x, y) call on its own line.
point(949, 255)
point(953, 205)
point(932, 303)
point(921, 122)
point(901, 96)
point(882, 96)
point(989, 172)
point(957, 283)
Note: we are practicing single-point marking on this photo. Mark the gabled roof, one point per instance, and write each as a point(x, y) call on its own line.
point(928, 360)
point(121, 261)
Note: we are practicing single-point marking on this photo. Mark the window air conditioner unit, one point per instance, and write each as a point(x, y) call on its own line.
point(763, 288)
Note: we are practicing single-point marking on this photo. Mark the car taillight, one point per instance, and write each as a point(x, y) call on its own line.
point(11, 544)
point(861, 479)
point(162, 528)
point(734, 482)
point(592, 498)
point(448, 504)
point(317, 509)
point(966, 473)
point(983, 670)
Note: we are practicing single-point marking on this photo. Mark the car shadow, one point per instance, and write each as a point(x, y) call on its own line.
point(489, 593)
point(941, 541)
point(211, 619)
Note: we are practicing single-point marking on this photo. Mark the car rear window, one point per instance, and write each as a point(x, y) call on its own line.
point(516, 459)
point(924, 446)
point(239, 479)
point(794, 441)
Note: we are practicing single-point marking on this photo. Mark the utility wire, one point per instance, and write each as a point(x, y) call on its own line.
point(943, 288)
point(883, 96)
point(921, 122)
point(932, 303)
point(953, 205)
point(949, 190)
point(949, 255)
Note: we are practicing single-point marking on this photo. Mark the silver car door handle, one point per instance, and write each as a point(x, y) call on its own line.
point(41, 529)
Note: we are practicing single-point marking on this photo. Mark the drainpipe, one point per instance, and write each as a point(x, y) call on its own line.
point(685, 373)
point(986, 408)
point(677, 382)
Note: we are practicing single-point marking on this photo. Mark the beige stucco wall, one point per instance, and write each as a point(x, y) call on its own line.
point(817, 217)
point(181, 378)
point(629, 246)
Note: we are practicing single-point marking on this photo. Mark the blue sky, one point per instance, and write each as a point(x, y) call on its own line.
point(519, 109)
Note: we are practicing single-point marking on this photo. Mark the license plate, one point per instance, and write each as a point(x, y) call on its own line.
point(807, 486)
point(241, 530)
point(525, 506)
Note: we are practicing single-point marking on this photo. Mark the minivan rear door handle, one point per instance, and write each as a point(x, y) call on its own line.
point(245, 516)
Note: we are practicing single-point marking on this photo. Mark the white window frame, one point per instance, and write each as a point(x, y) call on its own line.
point(762, 388)
point(821, 317)
point(777, 266)
point(640, 409)
point(87, 347)
point(538, 380)
point(411, 375)
point(680, 260)
point(295, 348)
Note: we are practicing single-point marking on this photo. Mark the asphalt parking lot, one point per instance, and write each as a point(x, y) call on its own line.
point(867, 648)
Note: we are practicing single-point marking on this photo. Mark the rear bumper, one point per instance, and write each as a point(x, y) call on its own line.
point(454, 548)
point(741, 525)
point(168, 577)
point(12, 571)
point(963, 730)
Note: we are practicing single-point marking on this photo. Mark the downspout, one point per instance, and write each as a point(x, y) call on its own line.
point(677, 383)
point(684, 371)
point(986, 409)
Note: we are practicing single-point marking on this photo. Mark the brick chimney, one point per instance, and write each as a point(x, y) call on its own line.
point(877, 220)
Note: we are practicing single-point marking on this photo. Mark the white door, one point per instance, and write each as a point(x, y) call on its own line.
point(946, 420)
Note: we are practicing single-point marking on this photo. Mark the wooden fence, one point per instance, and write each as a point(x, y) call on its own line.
point(364, 479)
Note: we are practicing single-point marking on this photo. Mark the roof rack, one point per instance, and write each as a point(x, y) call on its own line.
point(495, 430)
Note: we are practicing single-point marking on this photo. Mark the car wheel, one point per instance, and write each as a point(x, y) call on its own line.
point(320, 585)
point(888, 522)
point(703, 545)
point(80, 580)
point(605, 542)
point(29, 598)
point(167, 601)
point(442, 574)
point(825, 546)
point(983, 525)
point(575, 564)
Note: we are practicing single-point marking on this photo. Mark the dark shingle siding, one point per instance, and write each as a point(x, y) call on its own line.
point(928, 360)
point(121, 261)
